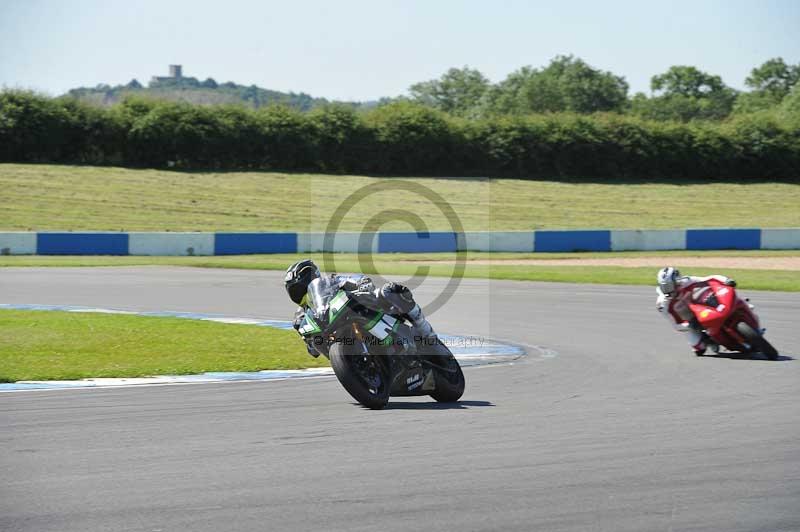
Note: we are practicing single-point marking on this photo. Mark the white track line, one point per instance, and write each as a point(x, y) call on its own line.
point(470, 351)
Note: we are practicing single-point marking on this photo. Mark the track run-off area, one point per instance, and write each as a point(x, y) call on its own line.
point(623, 430)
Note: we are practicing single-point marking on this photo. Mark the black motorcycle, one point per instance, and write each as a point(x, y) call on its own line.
point(374, 353)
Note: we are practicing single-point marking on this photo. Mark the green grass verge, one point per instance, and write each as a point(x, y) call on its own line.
point(48, 345)
point(52, 197)
point(774, 280)
point(403, 264)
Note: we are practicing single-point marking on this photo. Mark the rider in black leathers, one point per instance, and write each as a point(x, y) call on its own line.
point(392, 297)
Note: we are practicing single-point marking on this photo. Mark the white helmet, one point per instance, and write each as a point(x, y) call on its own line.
point(667, 279)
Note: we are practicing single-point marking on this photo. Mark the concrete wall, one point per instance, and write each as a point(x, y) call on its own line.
point(17, 243)
point(107, 243)
point(171, 244)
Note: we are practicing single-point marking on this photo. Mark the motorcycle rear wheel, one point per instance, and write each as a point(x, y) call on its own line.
point(364, 377)
point(758, 342)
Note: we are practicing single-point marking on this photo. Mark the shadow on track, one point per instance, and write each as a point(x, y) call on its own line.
point(432, 405)
point(748, 356)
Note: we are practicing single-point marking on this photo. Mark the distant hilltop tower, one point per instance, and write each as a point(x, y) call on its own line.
point(175, 72)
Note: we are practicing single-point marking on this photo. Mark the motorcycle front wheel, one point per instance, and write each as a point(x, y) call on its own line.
point(757, 341)
point(363, 375)
point(449, 377)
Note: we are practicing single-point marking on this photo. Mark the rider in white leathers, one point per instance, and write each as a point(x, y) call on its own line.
point(675, 292)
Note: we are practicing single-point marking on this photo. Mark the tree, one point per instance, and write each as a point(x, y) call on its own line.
point(133, 84)
point(774, 77)
point(754, 101)
point(790, 107)
point(685, 93)
point(686, 81)
point(566, 84)
point(505, 97)
point(771, 82)
point(586, 89)
point(209, 83)
point(456, 92)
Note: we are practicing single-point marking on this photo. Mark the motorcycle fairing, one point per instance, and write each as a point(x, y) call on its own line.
point(414, 381)
point(383, 327)
point(309, 327)
point(378, 324)
point(720, 321)
point(337, 305)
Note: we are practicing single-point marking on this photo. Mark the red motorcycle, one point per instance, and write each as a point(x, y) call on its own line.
point(730, 321)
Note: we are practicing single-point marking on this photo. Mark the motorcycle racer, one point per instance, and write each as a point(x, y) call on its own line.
point(391, 296)
point(675, 292)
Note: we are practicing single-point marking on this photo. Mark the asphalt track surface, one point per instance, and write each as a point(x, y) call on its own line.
point(624, 430)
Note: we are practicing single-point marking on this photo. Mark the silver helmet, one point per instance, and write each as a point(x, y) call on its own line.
point(667, 279)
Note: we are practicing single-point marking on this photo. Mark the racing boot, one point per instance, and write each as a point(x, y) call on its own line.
point(692, 327)
point(711, 344)
point(705, 343)
point(699, 348)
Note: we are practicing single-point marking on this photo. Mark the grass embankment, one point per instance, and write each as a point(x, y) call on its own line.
point(51, 197)
point(441, 264)
point(48, 345)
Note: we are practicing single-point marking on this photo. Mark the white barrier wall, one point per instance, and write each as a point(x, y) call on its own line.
point(17, 243)
point(651, 240)
point(499, 241)
point(171, 244)
point(780, 239)
point(342, 242)
point(242, 243)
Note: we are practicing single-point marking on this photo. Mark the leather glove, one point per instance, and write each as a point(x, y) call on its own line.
point(299, 314)
point(399, 289)
point(730, 282)
point(310, 346)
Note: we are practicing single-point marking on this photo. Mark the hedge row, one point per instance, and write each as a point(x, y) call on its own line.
point(397, 139)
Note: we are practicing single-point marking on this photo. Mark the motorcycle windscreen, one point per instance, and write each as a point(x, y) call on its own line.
point(320, 292)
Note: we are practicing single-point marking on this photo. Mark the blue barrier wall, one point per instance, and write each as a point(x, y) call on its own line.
point(82, 243)
point(21, 243)
point(723, 239)
point(417, 242)
point(250, 243)
point(555, 241)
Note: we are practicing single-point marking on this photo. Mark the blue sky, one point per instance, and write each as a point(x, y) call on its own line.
point(360, 50)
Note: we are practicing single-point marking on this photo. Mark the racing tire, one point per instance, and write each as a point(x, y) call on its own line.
point(758, 342)
point(364, 377)
point(450, 381)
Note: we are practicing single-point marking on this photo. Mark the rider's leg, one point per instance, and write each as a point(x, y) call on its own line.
point(400, 297)
point(422, 326)
point(698, 339)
